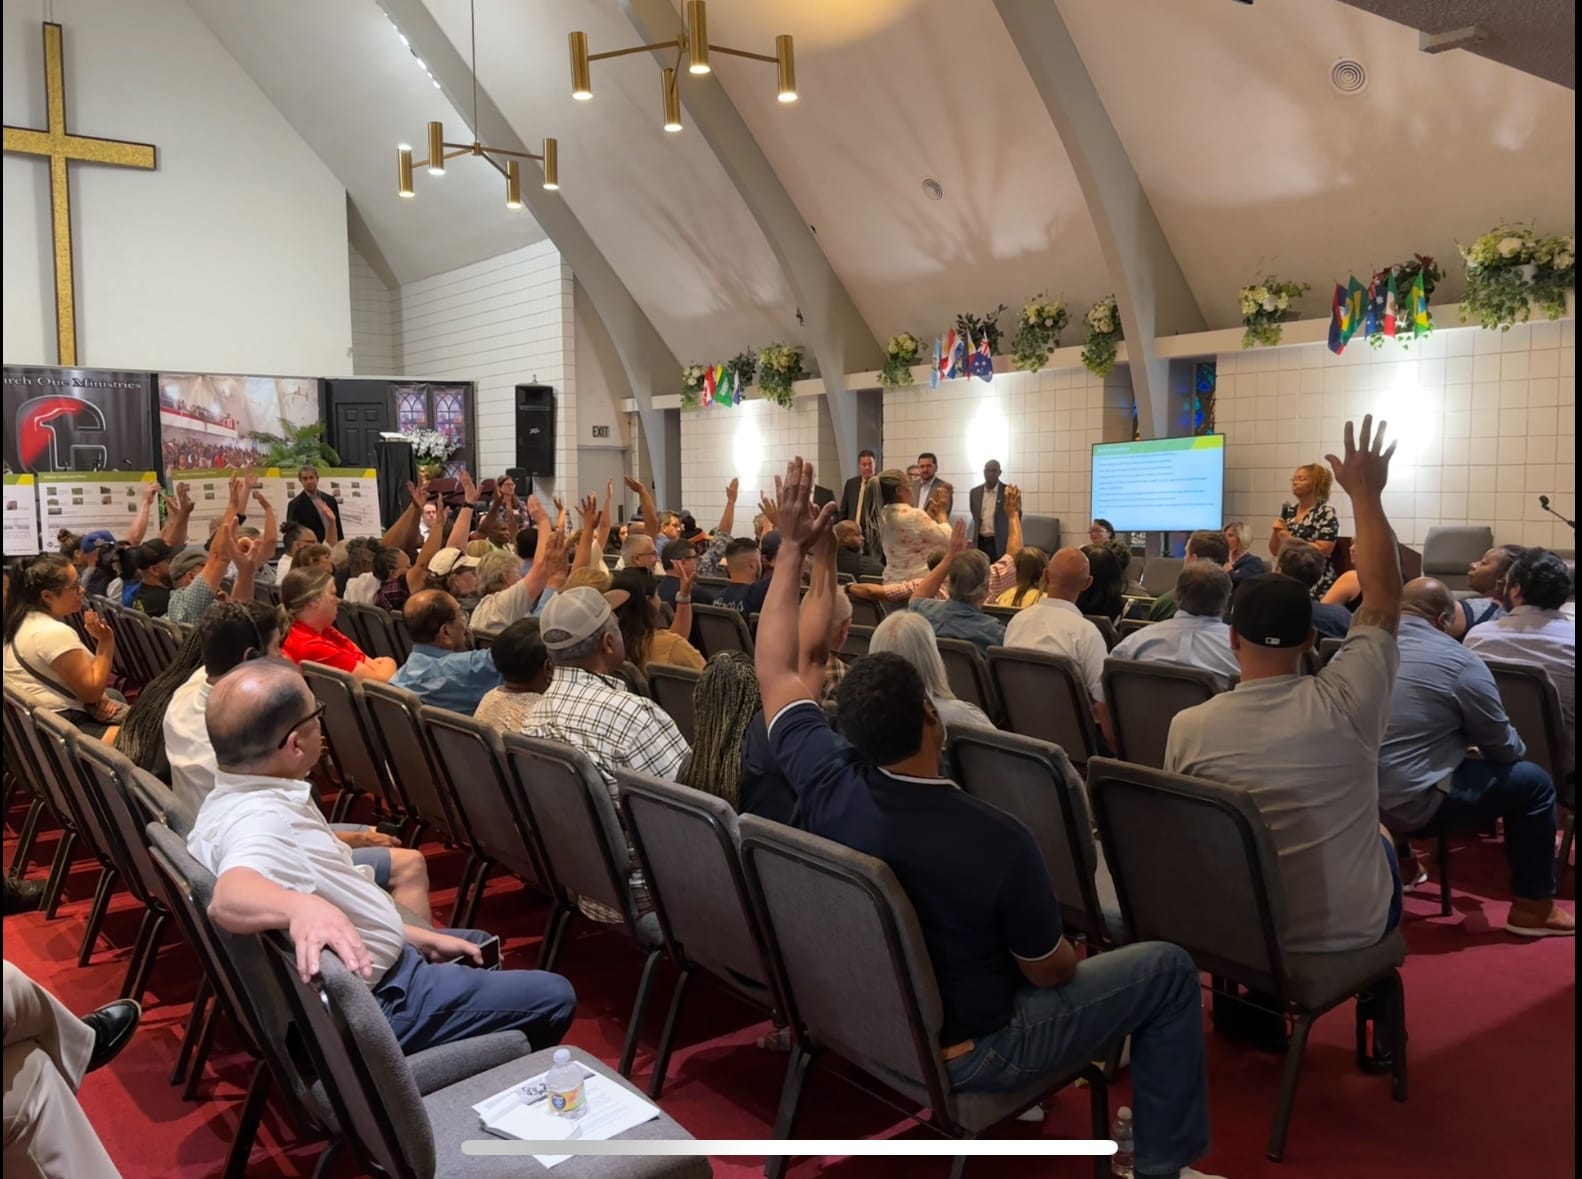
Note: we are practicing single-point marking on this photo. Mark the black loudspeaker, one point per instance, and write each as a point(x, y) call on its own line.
point(535, 429)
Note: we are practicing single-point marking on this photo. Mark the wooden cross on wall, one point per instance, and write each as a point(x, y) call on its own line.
point(59, 146)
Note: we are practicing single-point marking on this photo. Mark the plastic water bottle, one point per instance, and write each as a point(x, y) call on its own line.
point(1121, 1163)
point(564, 1086)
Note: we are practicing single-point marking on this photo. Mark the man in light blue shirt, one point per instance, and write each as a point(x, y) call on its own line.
point(961, 615)
point(1196, 635)
point(1444, 703)
point(441, 670)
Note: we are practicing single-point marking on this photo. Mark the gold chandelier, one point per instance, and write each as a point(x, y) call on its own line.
point(694, 44)
point(439, 150)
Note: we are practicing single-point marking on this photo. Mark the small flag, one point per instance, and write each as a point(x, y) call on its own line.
point(958, 356)
point(1421, 324)
point(933, 373)
point(1373, 317)
point(1337, 321)
point(724, 385)
point(981, 363)
point(708, 384)
point(949, 365)
point(1356, 304)
point(1389, 306)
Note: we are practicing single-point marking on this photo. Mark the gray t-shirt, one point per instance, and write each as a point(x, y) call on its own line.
point(1306, 748)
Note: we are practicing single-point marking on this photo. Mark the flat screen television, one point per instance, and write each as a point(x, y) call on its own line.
point(1160, 484)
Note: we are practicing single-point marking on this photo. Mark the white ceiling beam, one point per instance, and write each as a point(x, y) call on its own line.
point(1150, 289)
point(649, 364)
point(842, 342)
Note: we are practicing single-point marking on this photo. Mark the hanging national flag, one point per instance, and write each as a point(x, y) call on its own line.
point(1373, 316)
point(933, 373)
point(1421, 324)
point(951, 356)
point(981, 363)
point(724, 385)
point(708, 384)
point(1389, 306)
point(1356, 309)
point(1337, 318)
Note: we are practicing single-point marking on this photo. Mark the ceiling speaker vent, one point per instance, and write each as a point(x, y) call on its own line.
point(1348, 77)
point(932, 189)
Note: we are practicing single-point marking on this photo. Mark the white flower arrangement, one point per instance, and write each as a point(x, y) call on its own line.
point(779, 365)
point(1263, 306)
point(430, 447)
point(1103, 322)
point(1512, 267)
point(900, 354)
point(1037, 333)
point(692, 386)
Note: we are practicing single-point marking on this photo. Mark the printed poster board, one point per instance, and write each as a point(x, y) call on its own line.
point(83, 501)
point(21, 516)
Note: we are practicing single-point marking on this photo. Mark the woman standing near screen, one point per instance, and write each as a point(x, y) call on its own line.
point(1310, 518)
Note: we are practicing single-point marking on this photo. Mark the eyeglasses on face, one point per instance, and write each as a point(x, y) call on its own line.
point(309, 719)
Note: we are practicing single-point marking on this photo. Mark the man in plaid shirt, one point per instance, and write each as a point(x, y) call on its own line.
point(589, 708)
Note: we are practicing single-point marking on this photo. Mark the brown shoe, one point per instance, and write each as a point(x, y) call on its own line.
point(1529, 918)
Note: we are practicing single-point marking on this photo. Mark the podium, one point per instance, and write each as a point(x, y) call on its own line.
point(396, 466)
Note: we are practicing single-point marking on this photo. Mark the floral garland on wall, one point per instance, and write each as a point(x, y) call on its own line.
point(1103, 322)
point(779, 366)
point(1512, 267)
point(1264, 306)
point(1037, 333)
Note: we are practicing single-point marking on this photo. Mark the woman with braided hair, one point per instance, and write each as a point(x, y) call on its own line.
point(724, 704)
point(142, 735)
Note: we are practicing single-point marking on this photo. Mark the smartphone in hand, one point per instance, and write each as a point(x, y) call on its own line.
point(491, 956)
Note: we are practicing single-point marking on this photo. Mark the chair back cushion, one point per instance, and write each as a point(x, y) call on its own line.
point(672, 687)
point(1160, 573)
point(1193, 864)
point(472, 761)
point(1143, 697)
point(347, 732)
point(154, 802)
point(393, 716)
point(1043, 695)
point(1533, 705)
point(968, 674)
point(109, 773)
point(1449, 549)
point(720, 628)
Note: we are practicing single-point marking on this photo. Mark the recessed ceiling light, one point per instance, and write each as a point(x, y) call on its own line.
point(932, 189)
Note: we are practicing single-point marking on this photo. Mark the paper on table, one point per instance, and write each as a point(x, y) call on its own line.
point(516, 1113)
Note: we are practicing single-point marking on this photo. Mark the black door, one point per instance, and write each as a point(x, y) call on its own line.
point(358, 425)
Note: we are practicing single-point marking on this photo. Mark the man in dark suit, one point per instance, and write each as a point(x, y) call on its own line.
point(822, 495)
point(305, 508)
point(867, 463)
point(930, 484)
point(987, 503)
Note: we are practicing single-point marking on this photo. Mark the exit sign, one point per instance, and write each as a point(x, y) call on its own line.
point(601, 431)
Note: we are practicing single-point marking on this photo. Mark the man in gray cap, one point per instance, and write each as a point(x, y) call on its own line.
point(588, 706)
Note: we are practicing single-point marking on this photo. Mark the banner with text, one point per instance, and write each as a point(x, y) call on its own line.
point(84, 501)
point(77, 419)
point(356, 490)
point(21, 515)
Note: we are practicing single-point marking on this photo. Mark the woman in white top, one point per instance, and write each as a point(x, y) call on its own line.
point(907, 534)
point(911, 637)
point(525, 671)
point(46, 660)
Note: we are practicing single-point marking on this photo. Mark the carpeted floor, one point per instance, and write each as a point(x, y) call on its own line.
point(1492, 1058)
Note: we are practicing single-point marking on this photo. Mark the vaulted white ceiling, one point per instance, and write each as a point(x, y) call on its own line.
point(1253, 162)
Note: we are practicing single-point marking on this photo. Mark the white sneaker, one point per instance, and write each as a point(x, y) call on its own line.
point(1194, 1173)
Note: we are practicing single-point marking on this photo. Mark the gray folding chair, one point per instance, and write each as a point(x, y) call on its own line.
point(690, 848)
point(1043, 695)
point(636, 681)
point(859, 982)
point(400, 636)
point(1128, 626)
point(359, 769)
point(471, 759)
point(374, 631)
point(866, 612)
point(21, 759)
point(1144, 695)
point(401, 1123)
point(1194, 864)
point(968, 674)
point(1533, 706)
point(585, 854)
point(1033, 781)
point(1002, 613)
point(1106, 628)
point(720, 628)
point(1159, 574)
point(393, 719)
point(857, 640)
point(52, 742)
point(672, 688)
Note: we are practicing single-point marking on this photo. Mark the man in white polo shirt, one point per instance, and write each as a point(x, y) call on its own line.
point(278, 866)
point(1054, 624)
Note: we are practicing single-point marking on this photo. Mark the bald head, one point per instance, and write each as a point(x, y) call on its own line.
point(251, 710)
point(1428, 599)
point(1067, 575)
point(428, 612)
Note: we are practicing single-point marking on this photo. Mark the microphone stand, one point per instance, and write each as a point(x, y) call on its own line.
point(1543, 502)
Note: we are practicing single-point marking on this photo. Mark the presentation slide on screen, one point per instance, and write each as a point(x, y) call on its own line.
point(1161, 484)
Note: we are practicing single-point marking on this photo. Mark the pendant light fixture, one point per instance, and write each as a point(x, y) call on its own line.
point(693, 45)
point(507, 163)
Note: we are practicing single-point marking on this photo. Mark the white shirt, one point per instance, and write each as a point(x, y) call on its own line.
point(274, 827)
point(282, 567)
point(1543, 638)
point(1193, 639)
point(1057, 626)
point(500, 609)
point(187, 748)
point(987, 506)
point(363, 589)
point(41, 640)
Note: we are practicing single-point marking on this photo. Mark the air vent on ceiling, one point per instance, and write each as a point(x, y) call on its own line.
point(932, 189)
point(1348, 76)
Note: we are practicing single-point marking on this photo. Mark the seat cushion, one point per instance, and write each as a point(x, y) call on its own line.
point(454, 1122)
point(1319, 981)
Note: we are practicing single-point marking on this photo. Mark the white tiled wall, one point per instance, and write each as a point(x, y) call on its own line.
point(1486, 423)
point(1040, 426)
point(500, 323)
point(751, 442)
point(376, 322)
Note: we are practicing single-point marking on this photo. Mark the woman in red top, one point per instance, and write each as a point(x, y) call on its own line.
point(309, 596)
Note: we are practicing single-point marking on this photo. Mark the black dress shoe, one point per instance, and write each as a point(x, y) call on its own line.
point(113, 1025)
point(22, 896)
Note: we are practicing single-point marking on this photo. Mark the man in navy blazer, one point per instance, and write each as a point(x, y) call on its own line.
point(989, 524)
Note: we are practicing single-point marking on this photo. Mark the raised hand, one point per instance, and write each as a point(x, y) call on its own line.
point(98, 629)
point(150, 490)
point(1013, 500)
point(469, 489)
point(634, 485)
point(800, 524)
point(588, 509)
point(536, 512)
point(770, 509)
point(324, 510)
point(418, 492)
point(958, 540)
point(556, 549)
point(1366, 468)
point(688, 572)
point(263, 504)
point(731, 490)
point(250, 480)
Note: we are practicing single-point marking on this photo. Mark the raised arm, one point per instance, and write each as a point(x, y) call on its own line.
point(818, 611)
point(332, 525)
point(139, 529)
point(1363, 474)
point(248, 556)
point(417, 575)
point(462, 528)
point(930, 586)
point(681, 623)
point(801, 524)
point(175, 531)
point(403, 533)
point(588, 509)
point(270, 534)
point(728, 516)
point(1013, 519)
point(645, 503)
point(601, 531)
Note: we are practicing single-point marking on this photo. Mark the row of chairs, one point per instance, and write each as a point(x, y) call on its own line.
point(380, 633)
point(144, 646)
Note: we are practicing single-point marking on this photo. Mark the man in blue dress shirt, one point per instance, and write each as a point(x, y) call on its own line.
point(441, 670)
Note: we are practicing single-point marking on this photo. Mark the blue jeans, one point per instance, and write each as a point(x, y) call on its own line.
point(1148, 990)
point(1523, 795)
point(430, 1003)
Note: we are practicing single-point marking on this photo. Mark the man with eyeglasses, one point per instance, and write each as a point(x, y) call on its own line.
point(443, 669)
point(278, 866)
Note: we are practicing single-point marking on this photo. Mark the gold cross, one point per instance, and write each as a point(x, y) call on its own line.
point(59, 146)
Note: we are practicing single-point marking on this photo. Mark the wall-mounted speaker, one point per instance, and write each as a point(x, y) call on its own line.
point(535, 429)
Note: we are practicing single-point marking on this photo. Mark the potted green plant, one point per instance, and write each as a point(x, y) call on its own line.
point(1037, 333)
point(1510, 268)
point(1264, 306)
point(900, 354)
point(1103, 322)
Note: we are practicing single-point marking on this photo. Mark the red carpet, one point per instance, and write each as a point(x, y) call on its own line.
point(1493, 1055)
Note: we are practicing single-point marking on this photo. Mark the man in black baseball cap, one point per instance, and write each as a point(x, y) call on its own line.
point(1275, 613)
point(153, 566)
